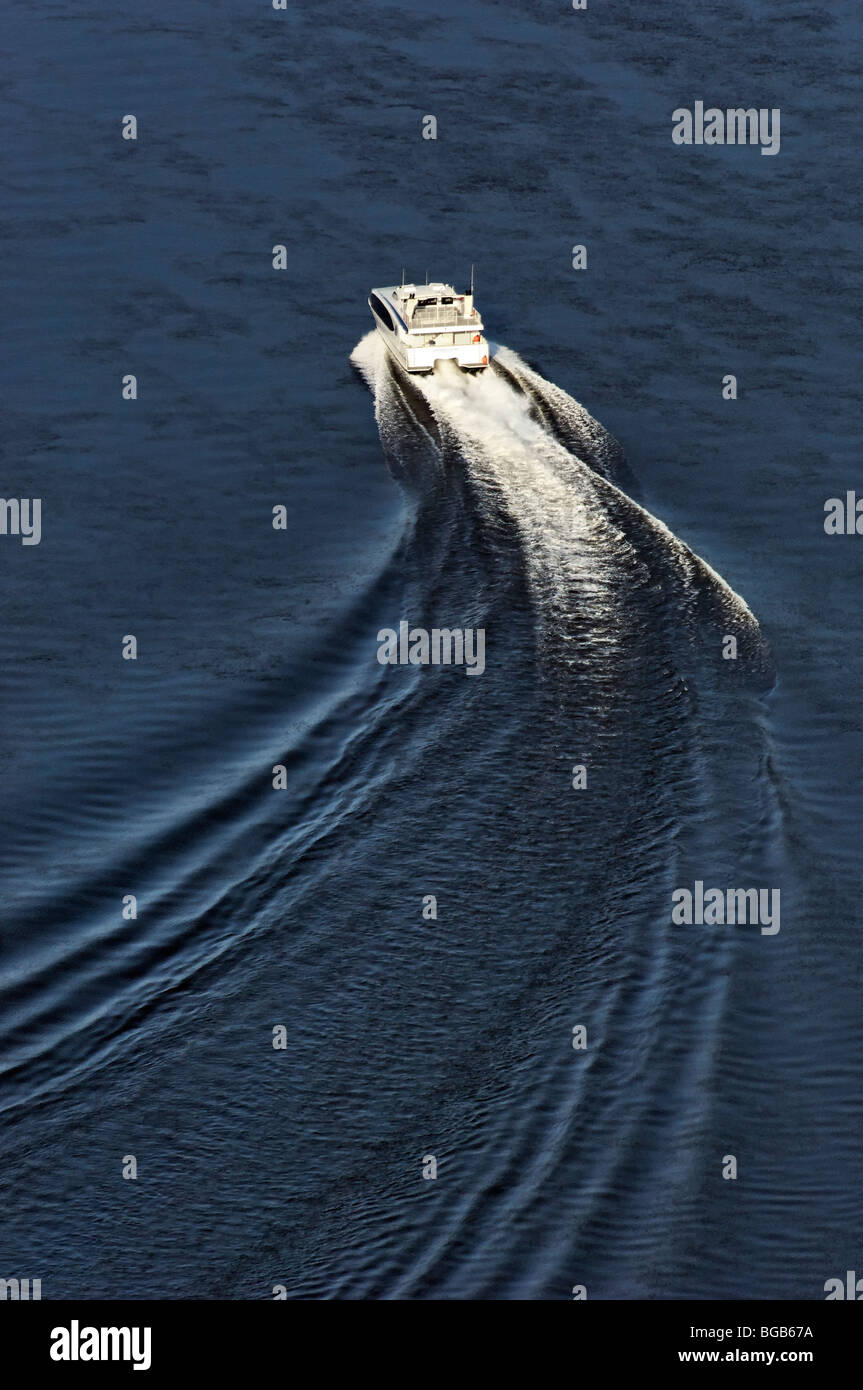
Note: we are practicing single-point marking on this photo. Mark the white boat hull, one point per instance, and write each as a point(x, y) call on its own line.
point(418, 351)
point(422, 360)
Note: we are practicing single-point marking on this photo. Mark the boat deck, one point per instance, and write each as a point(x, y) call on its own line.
point(440, 316)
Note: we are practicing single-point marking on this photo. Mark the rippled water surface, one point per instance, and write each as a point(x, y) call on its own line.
point(591, 502)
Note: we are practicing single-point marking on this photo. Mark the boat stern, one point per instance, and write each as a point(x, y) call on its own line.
point(471, 357)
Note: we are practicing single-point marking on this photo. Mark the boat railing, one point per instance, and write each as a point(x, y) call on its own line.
point(428, 320)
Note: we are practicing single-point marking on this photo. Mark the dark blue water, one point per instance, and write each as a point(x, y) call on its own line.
point(592, 502)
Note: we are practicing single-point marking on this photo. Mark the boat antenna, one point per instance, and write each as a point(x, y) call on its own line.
point(427, 275)
point(403, 277)
point(471, 277)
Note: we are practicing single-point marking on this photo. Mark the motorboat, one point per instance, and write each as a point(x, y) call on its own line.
point(425, 324)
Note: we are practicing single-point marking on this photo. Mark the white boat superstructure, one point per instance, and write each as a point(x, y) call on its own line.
point(423, 324)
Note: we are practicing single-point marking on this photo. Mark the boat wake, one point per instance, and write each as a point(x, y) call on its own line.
point(646, 669)
point(597, 561)
point(604, 650)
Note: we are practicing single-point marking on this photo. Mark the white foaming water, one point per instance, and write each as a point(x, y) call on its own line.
point(563, 508)
point(567, 539)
